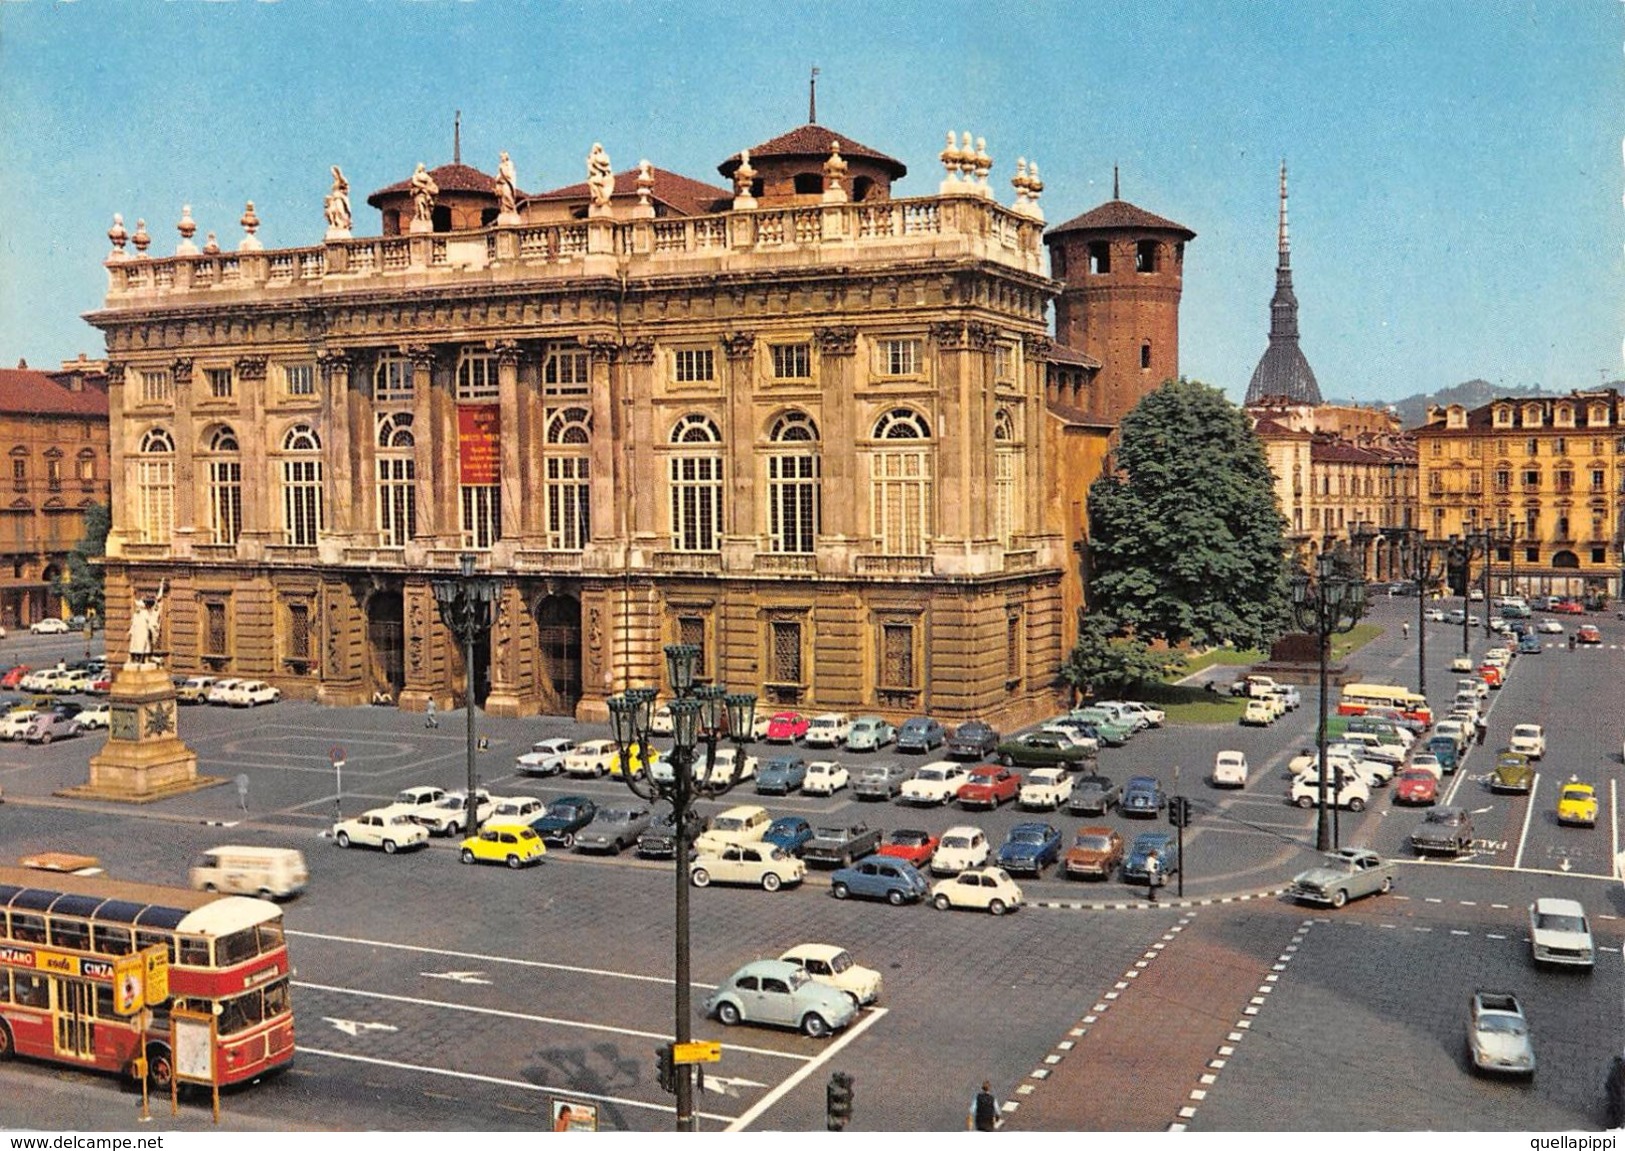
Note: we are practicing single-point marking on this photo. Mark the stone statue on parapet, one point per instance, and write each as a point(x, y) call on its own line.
point(337, 203)
point(424, 190)
point(506, 187)
point(600, 176)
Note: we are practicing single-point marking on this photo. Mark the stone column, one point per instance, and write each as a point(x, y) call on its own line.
point(958, 518)
point(845, 493)
point(186, 486)
point(504, 698)
point(511, 481)
point(434, 428)
point(739, 521)
point(261, 521)
point(338, 447)
point(424, 673)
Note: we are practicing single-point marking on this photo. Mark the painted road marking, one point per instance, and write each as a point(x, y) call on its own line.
point(353, 1027)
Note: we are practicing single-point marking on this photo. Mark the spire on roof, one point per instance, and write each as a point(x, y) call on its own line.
point(1116, 195)
point(457, 137)
point(1285, 243)
point(1284, 370)
point(812, 97)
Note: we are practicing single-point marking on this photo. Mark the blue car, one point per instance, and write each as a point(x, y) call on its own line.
point(1162, 842)
point(1446, 751)
point(563, 818)
point(1029, 847)
point(897, 881)
point(781, 775)
point(1529, 644)
point(1142, 795)
point(790, 833)
point(921, 734)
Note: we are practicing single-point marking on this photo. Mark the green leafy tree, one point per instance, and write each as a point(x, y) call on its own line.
point(1108, 663)
point(1186, 542)
point(84, 588)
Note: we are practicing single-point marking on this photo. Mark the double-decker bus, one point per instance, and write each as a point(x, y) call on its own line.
point(62, 935)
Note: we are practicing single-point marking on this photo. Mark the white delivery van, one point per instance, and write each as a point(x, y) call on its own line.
point(269, 872)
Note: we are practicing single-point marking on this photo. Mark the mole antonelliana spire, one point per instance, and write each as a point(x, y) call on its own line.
point(1283, 371)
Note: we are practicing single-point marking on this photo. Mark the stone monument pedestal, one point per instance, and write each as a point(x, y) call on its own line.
point(144, 759)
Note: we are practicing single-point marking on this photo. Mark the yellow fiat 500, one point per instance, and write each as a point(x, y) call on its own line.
point(1577, 803)
point(510, 843)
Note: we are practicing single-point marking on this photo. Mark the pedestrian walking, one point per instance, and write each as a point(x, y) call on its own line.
point(1153, 876)
point(1406, 627)
point(984, 1110)
point(431, 717)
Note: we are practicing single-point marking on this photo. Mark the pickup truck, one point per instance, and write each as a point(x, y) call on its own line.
point(1342, 875)
point(1498, 1034)
point(838, 845)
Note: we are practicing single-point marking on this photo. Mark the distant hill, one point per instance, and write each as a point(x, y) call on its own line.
point(1413, 410)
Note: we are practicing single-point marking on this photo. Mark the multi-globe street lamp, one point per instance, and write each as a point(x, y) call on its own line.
point(468, 607)
point(701, 714)
point(1463, 551)
point(1328, 604)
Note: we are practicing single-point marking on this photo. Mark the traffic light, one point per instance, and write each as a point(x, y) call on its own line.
point(838, 1101)
point(666, 1069)
point(1179, 811)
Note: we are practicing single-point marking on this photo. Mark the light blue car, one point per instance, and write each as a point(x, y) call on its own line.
point(897, 881)
point(870, 733)
point(774, 993)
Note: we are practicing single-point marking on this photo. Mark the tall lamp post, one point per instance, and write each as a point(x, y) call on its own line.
point(701, 714)
point(1427, 568)
point(468, 607)
point(1463, 551)
point(1329, 604)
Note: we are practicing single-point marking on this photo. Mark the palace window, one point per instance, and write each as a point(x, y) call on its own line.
point(298, 379)
point(157, 386)
point(1475, 483)
point(897, 357)
point(1004, 364)
point(569, 506)
point(897, 663)
point(1531, 481)
point(784, 654)
point(1597, 480)
point(1008, 479)
point(900, 495)
point(696, 485)
point(216, 631)
point(301, 486)
point(220, 382)
point(393, 381)
point(794, 490)
point(1531, 522)
point(792, 362)
point(1560, 446)
point(299, 631)
point(1503, 482)
point(225, 470)
point(1531, 447)
point(480, 515)
point(477, 376)
point(397, 479)
point(53, 471)
point(1014, 648)
point(566, 371)
point(693, 365)
point(155, 486)
point(691, 631)
point(1565, 481)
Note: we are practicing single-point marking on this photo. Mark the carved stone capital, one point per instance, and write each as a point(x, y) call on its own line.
point(640, 350)
point(180, 370)
point(950, 336)
point(424, 357)
point(604, 349)
point(251, 368)
point(336, 364)
point(1037, 347)
point(739, 345)
point(982, 336)
point(507, 353)
point(837, 341)
point(115, 374)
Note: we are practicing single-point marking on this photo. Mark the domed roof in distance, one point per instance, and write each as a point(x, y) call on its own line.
point(1120, 215)
point(450, 178)
point(814, 141)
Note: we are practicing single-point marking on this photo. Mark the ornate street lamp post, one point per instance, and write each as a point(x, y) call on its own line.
point(1463, 551)
point(468, 607)
point(701, 714)
point(1329, 604)
point(1427, 568)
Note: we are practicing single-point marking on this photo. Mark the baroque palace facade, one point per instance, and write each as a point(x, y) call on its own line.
point(800, 422)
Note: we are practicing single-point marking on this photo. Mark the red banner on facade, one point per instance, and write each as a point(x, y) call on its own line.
point(479, 444)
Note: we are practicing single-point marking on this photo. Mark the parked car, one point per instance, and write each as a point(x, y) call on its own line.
point(1577, 804)
point(1445, 831)
point(921, 734)
point(988, 786)
point(1045, 789)
point(410, 801)
point(563, 818)
point(1342, 875)
point(194, 689)
point(97, 715)
point(1498, 1038)
point(1418, 786)
point(838, 844)
point(935, 783)
point(779, 994)
point(1130, 718)
point(514, 844)
point(1045, 748)
point(613, 829)
point(49, 626)
point(517, 809)
point(1142, 796)
point(49, 726)
point(1029, 847)
point(593, 758)
point(824, 777)
point(910, 844)
point(1513, 773)
point(869, 733)
point(972, 739)
point(378, 829)
point(1163, 843)
point(1560, 934)
point(897, 881)
point(979, 889)
point(959, 848)
point(219, 691)
point(1153, 716)
point(1095, 851)
point(449, 816)
point(881, 781)
point(787, 727)
point(1093, 795)
point(756, 864)
point(252, 693)
point(743, 823)
point(782, 775)
point(1107, 730)
point(13, 676)
point(545, 757)
point(1257, 713)
point(659, 839)
point(788, 833)
point(728, 763)
point(828, 730)
point(17, 721)
point(1230, 769)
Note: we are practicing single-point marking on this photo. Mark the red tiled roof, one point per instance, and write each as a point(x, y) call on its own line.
point(814, 140)
point(689, 197)
point(1060, 353)
point(1269, 426)
point(450, 177)
point(1120, 214)
point(1076, 417)
point(24, 391)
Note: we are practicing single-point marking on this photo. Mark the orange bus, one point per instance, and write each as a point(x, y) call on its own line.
point(61, 937)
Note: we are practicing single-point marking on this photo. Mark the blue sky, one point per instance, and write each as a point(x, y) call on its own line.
point(1455, 168)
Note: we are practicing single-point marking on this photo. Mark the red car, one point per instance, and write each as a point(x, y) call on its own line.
point(1491, 674)
point(1417, 786)
point(15, 676)
point(989, 786)
point(1588, 633)
point(910, 844)
point(786, 727)
point(1569, 607)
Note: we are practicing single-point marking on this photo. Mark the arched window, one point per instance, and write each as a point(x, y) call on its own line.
point(397, 479)
point(155, 486)
point(901, 480)
point(1009, 478)
point(225, 471)
point(569, 473)
point(696, 485)
point(301, 486)
point(794, 503)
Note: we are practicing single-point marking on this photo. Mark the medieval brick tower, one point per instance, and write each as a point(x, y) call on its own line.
point(1123, 268)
